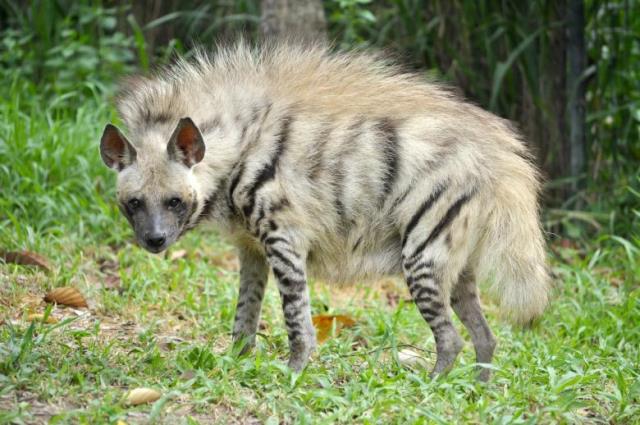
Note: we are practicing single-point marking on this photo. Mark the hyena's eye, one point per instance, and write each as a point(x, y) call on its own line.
point(174, 202)
point(134, 204)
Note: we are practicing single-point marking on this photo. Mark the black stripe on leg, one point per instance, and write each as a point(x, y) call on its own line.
point(428, 313)
point(272, 240)
point(292, 283)
point(422, 266)
point(421, 276)
point(268, 171)
point(280, 256)
point(450, 215)
point(424, 207)
point(389, 153)
point(290, 298)
point(425, 289)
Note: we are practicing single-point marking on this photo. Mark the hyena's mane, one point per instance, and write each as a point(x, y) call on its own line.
point(313, 77)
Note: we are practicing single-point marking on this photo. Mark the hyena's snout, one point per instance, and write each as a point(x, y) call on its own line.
point(156, 240)
point(156, 232)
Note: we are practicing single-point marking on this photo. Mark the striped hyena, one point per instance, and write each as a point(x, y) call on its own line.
point(337, 166)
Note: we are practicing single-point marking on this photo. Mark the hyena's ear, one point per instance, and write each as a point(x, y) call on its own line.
point(115, 149)
point(186, 144)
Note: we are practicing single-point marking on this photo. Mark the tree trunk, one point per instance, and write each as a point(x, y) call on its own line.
point(300, 20)
point(552, 125)
point(577, 62)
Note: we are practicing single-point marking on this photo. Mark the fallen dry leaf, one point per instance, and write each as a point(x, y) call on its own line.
point(178, 254)
point(324, 323)
point(410, 358)
point(112, 282)
point(108, 266)
point(227, 261)
point(187, 375)
point(66, 296)
point(25, 258)
point(141, 396)
point(39, 317)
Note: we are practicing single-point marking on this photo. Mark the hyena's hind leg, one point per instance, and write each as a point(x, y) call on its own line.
point(428, 290)
point(431, 264)
point(254, 271)
point(466, 304)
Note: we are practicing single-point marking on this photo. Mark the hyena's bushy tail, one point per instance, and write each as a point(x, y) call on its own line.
point(511, 255)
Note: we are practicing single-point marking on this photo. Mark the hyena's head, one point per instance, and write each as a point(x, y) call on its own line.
point(156, 189)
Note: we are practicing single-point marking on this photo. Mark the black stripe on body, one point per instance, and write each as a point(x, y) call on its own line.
point(268, 172)
point(280, 205)
point(426, 205)
point(234, 184)
point(157, 117)
point(210, 201)
point(357, 244)
point(210, 125)
point(390, 156)
point(450, 215)
point(338, 193)
point(316, 160)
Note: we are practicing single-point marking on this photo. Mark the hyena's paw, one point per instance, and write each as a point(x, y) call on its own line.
point(448, 349)
point(484, 374)
point(243, 344)
point(300, 351)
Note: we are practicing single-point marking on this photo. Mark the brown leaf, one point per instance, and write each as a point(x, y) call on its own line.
point(112, 282)
point(187, 375)
point(66, 296)
point(25, 258)
point(409, 358)
point(39, 317)
point(178, 254)
point(142, 396)
point(324, 323)
point(108, 266)
point(392, 299)
point(227, 260)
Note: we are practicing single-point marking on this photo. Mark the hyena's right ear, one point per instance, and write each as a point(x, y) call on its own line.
point(186, 144)
point(115, 149)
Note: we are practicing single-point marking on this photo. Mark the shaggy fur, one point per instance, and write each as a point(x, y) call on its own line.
point(341, 167)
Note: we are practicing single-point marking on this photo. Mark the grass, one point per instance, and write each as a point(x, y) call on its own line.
point(167, 323)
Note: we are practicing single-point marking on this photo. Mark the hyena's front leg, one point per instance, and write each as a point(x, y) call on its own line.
point(289, 268)
point(254, 271)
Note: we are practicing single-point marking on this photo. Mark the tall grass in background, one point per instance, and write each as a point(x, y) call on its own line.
point(54, 185)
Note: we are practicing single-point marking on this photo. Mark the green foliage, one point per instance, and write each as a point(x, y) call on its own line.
point(67, 49)
point(614, 88)
point(51, 173)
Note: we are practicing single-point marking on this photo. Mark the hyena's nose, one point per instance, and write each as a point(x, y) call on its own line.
point(156, 240)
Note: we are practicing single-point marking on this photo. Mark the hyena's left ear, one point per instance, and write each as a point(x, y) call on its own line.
point(186, 144)
point(115, 149)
